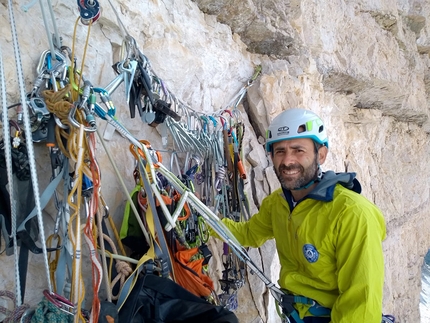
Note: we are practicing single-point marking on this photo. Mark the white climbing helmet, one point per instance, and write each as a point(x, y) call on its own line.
point(296, 123)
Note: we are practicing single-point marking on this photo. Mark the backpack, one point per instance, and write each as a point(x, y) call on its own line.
point(155, 299)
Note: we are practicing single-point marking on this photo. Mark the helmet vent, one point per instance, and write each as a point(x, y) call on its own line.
point(302, 128)
point(321, 129)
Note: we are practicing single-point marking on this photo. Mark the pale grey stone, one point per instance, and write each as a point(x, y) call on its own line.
point(257, 156)
point(272, 179)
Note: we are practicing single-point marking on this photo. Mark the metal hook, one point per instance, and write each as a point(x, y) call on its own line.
point(126, 75)
point(174, 159)
point(60, 302)
point(104, 96)
point(184, 109)
point(44, 63)
point(75, 123)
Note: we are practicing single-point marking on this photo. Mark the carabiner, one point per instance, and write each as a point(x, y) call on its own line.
point(128, 73)
point(257, 71)
point(75, 123)
point(60, 302)
point(154, 154)
point(45, 60)
point(203, 229)
point(104, 96)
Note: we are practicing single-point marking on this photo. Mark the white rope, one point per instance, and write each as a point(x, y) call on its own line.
point(57, 38)
point(8, 156)
point(119, 177)
point(124, 31)
point(45, 22)
point(103, 256)
point(28, 135)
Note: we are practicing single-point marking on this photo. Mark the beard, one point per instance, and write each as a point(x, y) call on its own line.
point(293, 182)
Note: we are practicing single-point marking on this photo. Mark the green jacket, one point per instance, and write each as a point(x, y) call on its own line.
point(329, 246)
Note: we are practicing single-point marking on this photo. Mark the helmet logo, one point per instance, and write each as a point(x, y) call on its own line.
point(283, 129)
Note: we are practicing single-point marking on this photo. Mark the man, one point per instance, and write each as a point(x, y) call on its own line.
point(328, 236)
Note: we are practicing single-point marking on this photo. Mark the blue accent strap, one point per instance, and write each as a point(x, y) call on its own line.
point(318, 310)
point(315, 309)
point(304, 300)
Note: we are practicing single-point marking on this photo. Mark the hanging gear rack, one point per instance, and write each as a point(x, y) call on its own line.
point(218, 227)
point(64, 100)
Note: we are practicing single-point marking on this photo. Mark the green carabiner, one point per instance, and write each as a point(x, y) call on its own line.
point(203, 230)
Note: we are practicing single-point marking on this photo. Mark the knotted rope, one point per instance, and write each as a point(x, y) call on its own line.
point(18, 311)
point(122, 267)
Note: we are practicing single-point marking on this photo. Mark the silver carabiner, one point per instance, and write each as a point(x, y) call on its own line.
point(28, 314)
point(128, 71)
point(43, 63)
point(75, 123)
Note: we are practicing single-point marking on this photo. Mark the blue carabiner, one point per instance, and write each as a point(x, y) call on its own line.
point(48, 60)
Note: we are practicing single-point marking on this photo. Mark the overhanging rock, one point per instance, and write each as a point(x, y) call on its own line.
point(264, 26)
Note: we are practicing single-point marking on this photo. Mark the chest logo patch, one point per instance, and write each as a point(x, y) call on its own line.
point(310, 252)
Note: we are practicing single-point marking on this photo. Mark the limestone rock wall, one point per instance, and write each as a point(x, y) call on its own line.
point(361, 65)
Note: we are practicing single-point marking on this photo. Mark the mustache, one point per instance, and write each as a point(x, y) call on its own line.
point(282, 168)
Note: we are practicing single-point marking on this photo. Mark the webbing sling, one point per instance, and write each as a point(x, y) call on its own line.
point(145, 262)
point(65, 258)
point(164, 257)
point(44, 199)
point(27, 242)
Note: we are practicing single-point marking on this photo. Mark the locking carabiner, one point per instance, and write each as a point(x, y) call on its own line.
point(76, 124)
point(62, 303)
point(155, 154)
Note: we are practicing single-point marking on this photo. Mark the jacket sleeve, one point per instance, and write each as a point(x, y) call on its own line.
point(255, 231)
point(360, 265)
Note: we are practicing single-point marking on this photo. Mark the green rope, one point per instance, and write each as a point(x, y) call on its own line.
point(46, 312)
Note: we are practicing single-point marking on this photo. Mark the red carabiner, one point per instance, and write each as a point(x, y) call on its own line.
point(60, 302)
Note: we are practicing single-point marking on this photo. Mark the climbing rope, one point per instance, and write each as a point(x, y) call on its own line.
point(27, 130)
point(8, 155)
point(89, 230)
point(122, 267)
point(78, 288)
point(55, 36)
point(18, 311)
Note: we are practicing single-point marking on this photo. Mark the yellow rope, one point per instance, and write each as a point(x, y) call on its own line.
point(58, 104)
point(74, 145)
point(54, 262)
point(72, 70)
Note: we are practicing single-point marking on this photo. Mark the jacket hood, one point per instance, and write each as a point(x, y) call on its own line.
point(325, 187)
